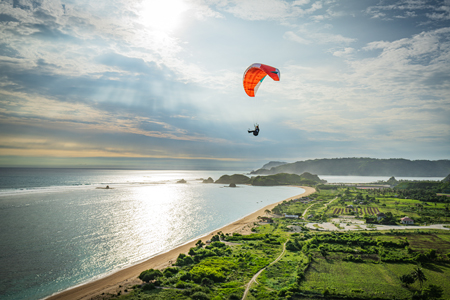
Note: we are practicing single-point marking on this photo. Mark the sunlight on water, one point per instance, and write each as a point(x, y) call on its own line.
point(56, 236)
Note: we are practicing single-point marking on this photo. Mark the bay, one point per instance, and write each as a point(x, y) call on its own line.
point(61, 228)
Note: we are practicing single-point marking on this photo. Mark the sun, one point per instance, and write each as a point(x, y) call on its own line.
point(162, 15)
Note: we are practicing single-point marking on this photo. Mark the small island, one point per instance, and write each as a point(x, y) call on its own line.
point(104, 188)
point(209, 180)
point(306, 179)
point(181, 181)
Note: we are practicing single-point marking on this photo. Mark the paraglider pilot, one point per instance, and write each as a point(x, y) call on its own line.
point(256, 131)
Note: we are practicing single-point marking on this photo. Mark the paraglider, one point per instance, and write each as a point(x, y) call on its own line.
point(256, 131)
point(253, 77)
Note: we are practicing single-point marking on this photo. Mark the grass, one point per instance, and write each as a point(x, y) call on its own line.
point(436, 273)
point(437, 240)
point(350, 268)
point(372, 279)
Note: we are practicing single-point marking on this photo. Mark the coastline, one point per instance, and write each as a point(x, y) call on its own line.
point(127, 277)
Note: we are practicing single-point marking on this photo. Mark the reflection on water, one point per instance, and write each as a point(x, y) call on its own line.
point(53, 240)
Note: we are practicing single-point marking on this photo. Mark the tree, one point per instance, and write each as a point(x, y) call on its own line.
point(267, 212)
point(432, 292)
point(418, 275)
point(149, 275)
point(407, 279)
point(199, 244)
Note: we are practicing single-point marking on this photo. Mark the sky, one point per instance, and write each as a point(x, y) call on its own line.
point(157, 84)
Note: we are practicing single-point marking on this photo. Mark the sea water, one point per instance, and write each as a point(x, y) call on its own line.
point(61, 228)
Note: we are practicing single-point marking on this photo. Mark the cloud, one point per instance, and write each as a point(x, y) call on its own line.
point(289, 35)
point(94, 75)
point(257, 10)
point(345, 52)
point(405, 9)
point(398, 95)
point(21, 109)
point(308, 37)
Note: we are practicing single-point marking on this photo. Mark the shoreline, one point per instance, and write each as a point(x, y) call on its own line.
point(127, 277)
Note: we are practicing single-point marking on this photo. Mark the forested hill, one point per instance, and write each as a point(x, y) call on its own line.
point(272, 164)
point(278, 179)
point(364, 167)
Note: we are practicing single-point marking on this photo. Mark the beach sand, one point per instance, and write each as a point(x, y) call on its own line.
point(126, 278)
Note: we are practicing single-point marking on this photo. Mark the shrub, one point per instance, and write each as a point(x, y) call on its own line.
point(150, 275)
point(148, 287)
point(184, 260)
point(200, 296)
point(207, 282)
point(185, 276)
point(407, 279)
point(169, 272)
point(432, 292)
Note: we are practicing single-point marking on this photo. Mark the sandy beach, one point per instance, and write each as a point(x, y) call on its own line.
point(126, 278)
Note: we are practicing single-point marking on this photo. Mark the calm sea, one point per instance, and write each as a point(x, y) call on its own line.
point(59, 230)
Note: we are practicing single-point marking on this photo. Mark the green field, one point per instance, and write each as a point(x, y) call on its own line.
point(344, 278)
point(316, 265)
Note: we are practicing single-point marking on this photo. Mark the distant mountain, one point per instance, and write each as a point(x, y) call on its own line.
point(273, 164)
point(364, 167)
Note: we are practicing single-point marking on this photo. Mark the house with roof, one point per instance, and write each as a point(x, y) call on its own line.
point(407, 220)
point(291, 216)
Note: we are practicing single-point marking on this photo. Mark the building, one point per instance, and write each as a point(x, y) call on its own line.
point(291, 216)
point(406, 220)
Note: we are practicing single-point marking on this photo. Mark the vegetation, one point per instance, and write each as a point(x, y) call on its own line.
point(278, 179)
point(364, 167)
point(317, 264)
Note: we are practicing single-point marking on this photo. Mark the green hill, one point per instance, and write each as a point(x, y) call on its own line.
point(286, 179)
point(236, 178)
point(364, 167)
point(271, 180)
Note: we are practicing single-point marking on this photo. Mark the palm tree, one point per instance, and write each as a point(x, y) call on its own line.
point(267, 211)
point(418, 274)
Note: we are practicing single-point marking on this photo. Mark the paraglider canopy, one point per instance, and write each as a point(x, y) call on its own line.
point(255, 74)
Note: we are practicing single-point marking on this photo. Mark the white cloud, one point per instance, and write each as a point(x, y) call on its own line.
point(260, 9)
point(289, 35)
point(306, 36)
point(411, 9)
point(345, 52)
point(401, 94)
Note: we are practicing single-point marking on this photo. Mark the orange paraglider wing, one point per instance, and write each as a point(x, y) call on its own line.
point(255, 74)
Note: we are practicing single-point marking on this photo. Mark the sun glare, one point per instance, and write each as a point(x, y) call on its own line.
point(163, 15)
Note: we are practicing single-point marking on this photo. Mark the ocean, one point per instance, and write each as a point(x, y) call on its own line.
point(61, 228)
